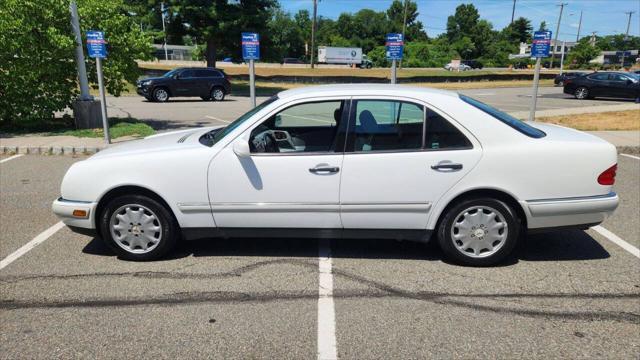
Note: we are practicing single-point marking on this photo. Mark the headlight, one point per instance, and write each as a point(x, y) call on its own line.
point(145, 83)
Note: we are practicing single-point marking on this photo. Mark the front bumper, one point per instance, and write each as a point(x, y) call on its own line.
point(570, 211)
point(64, 210)
point(143, 90)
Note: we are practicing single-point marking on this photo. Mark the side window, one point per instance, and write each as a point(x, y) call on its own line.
point(185, 74)
point(618, 77)
point(441, 134)
point(208, 73)
point(599, 77)
point(308, 127)
point(386, 125)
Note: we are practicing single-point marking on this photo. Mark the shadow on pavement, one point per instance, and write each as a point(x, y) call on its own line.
point(560, 246)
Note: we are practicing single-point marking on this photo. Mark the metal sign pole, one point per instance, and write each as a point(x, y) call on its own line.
point(252, 82)
point(534, 97)
point(393, 71)
point(103, 102)
point(562, 58)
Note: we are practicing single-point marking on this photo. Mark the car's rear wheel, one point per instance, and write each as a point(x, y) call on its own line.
point(581, 93)
point(479, 232)
point(217, 94)
point(138, 227)
point(160, 95)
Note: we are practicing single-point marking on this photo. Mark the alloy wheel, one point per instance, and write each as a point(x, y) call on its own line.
point(479, 231)
point(135, 228)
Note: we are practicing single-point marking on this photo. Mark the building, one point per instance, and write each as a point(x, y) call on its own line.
point(525, 49)
point(614, 58)
point(174, 52)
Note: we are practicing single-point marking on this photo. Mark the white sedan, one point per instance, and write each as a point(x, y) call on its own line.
point(372, 161)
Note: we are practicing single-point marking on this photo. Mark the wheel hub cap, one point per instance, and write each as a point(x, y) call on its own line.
point(479, 231)
point(135, 228)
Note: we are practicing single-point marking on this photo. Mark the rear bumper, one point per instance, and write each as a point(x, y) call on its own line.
point(591, 210)
point(64, 210)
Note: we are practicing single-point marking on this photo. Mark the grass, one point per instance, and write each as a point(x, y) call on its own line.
point(614, 120)
point(64, 126)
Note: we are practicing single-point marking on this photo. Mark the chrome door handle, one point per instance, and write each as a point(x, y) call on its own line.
point(447, 166)
point(324, 169)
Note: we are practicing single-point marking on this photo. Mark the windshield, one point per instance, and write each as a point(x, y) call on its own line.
point(218, 134)
point(634, 76)
point(170, 73)
point(521, 126)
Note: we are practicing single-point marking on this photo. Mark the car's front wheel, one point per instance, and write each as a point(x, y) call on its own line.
point(479, 232)
point(138, 227)
point(160, 95)
point(581, 93)
point(217, 94)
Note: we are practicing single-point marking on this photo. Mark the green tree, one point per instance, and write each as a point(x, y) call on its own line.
point(543, 26)
point(463, 22)
point(220, 22)
point(37, 64)
point(519, 31)
point(582, 53)
point(396, 14)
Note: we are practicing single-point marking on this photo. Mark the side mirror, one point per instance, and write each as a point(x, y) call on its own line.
point(241, 148)
point(629, 81)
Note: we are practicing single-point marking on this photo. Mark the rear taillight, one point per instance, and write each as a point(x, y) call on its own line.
point(608, 177)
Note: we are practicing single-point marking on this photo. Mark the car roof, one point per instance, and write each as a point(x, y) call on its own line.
point(364, 89)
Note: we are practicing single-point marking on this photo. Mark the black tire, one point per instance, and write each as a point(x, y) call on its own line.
point(217, 93)
point(160, 94)
point(369, 66)
point(169, 232)
point(450, 247)
point(582, 93)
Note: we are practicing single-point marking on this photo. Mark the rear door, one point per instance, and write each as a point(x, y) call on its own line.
point(599, 84)
point(401, 156)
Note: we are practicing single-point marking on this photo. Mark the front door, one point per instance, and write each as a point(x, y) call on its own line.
point(397, 165)
point(291, 179)
point(186, 84)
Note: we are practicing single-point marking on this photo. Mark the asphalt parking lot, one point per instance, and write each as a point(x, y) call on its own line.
point(572, 294)
point(193, 112)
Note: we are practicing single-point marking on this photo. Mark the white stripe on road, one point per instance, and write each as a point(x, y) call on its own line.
point(326, 312)
point(617, 240)
point(216, 119)
point(31, 244)
point(11, 158)
point(631, 156)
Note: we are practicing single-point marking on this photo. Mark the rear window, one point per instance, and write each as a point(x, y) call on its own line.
point(519, 125)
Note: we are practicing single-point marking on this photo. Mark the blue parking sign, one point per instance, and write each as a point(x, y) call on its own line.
point(395, 46)
point(250, 46)
point(96, 45)
point(541, 44)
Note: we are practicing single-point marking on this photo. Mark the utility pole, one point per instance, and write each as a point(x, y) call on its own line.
point(555, 40)
point(579, 27)
point(164, 31)
point(404, 25)
point(626, 36)
point(82, 70)
point(313, 31)
point(513, 11)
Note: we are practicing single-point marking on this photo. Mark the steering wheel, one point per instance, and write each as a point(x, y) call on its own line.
point(264, 142)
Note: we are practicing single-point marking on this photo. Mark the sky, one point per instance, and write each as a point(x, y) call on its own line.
point(607, 17)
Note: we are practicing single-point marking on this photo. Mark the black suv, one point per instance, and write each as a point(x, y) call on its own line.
point(207, 83)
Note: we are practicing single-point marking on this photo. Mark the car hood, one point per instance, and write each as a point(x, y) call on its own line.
point(167, 141)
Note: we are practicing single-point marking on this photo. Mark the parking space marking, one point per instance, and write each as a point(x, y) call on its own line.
point(617, 240)
point(631, 156)
point(216, 119)
point(42, 237)
point(11, 158)
point(327, 348)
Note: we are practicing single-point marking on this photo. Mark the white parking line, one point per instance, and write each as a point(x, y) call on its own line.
point(327, 349)
point(631, 156)
point(617, 240)
point(216, 119)
point(42, 237)
point(11, 158)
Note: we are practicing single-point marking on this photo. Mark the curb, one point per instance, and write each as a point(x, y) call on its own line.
point(50, 150)
point(90, 150)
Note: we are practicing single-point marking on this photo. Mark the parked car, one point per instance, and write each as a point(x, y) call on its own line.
point(560, 79)
point(473, 64)
point(604, 84)
point(292, 61)
point(373, 161)
point(459, 67)
point(207, 83)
